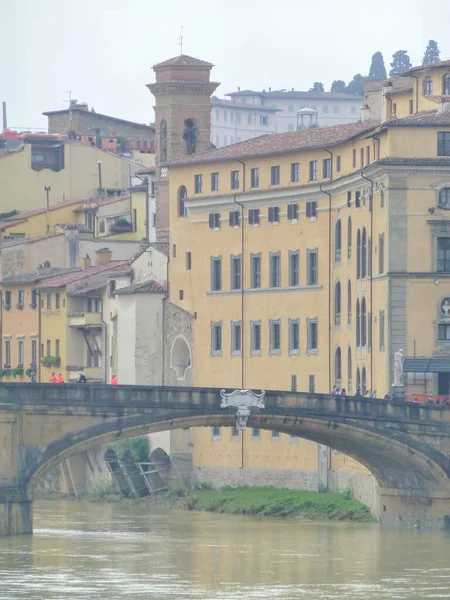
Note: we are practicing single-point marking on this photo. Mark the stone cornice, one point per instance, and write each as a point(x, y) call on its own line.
point(182, 87)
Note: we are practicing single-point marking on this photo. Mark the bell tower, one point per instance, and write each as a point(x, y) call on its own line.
point(182, 92)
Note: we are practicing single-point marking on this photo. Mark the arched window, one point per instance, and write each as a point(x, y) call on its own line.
point(337, 241)
point(358, 324)
point(363, 322)
point(428, 86)
point(337, 303)
point(338, 366)
point(349, 302)
point(358, 255)
point(358, 380)
point(364, 254)
point(182, 197)
point(163, 141)
point(363, 381)
point(349, 370)
point(446, 85)
point(444, 198)
point(349, 238)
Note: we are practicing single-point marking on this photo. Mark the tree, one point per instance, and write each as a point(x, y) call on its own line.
point(400, 63)
point(432, 53)
point(317, 87)
point(356, 85)
point(338, 86)
point(377, 68)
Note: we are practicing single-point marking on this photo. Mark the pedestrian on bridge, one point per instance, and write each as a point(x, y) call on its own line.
point(114, 380)
point(53, 378)
point(60, 378)
point(82, 378)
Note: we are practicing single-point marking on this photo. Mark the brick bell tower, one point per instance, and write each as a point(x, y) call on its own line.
point(182, 92)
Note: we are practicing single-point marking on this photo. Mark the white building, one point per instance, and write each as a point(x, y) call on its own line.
point(332, 108)
point(233, 122)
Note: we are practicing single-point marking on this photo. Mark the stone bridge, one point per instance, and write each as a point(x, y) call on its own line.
point(406, 446)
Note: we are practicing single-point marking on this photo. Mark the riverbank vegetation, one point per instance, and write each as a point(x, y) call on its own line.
point(257, 501)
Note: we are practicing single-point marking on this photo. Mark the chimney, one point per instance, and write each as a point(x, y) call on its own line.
point(103, 256)
point(365, 113)
point(85, 262)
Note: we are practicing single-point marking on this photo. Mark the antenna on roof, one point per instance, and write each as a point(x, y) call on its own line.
point(180, 41)
point(69, 92)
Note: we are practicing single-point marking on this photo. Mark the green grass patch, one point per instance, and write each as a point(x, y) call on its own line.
point(278, 502)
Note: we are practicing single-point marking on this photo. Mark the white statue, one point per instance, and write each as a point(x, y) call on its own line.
point(398, 369)
point(446, 308)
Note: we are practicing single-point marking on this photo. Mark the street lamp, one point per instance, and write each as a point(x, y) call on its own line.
point(47, 189)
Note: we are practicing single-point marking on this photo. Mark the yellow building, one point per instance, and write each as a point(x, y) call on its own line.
point(308, 259)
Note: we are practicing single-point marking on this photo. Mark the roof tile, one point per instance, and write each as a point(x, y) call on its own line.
point(147, 287)
point(437, 65)
point(114, 267)
point(183, 60)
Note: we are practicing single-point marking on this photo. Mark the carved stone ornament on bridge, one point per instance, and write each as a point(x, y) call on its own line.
point(243, 400)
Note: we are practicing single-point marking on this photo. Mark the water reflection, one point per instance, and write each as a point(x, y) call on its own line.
point(111, 551)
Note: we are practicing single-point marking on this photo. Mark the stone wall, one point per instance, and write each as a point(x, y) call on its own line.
point(177, 322)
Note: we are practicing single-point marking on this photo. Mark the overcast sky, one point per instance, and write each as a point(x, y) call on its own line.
point(103, 50)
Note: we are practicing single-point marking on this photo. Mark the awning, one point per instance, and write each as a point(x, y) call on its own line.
point(426, 365)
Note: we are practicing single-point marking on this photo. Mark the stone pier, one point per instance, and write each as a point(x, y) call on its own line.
point(16, 513)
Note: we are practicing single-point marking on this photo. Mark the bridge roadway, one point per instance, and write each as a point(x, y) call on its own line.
point(406, 446)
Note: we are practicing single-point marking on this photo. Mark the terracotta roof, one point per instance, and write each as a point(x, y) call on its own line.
point(95, 115)
point(162, 247)
point(294, 94)
point(74, 227)
point(18, 241)
point(113, 267)
point(148, 287)
point(88, 289)
point(438, 99)
point(39, 275)
point(395, 85)
point(280, 143)
point(421, 119)
point(437, 65)
point(23, 216)
point(183, 60)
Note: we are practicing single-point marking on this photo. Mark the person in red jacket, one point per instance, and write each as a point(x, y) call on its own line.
point(60, 378)
point(114, 380)
point(53, 378)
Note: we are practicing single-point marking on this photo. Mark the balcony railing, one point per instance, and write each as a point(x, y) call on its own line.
point(93, 320)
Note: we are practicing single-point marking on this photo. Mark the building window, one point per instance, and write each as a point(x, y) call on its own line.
point(292, 212)
point(214, 182)
point(20, 352)
point(216, 339)
point(216, 433)
point(293, 385)
point(7, 301)
point(250, 118)
point(182, 197)
point(363, 381)
point(57, 301)
point(311, 267)
point(255, 338)
point(275, 175)
point(295, 172)
point(234, 218)
point(255, 271)
point(444, 198)
point(337, 304)
point(443, 143)
point(349, 370)
point(313, 170)
point(234, 183)
point(34, 298)
point(7, 352)
point(337, 241)
point(381, 334)
point(428, 86)
point(256, 433)
point(443, 255)
point(294, 268)
point(198, 184)
point(294, 336)
point(253, 216)
point(368, 155)
point(20, 299)
point(349, 302)
point(444, 333)
point(349, 239)
point(381, 253)
point(361, 157)
point(57, 350)
point(94, 305)
point(254, 177)
point(102, 226)
point(290, 108)
point(363, 323)
point(369, 256)
point(338, 366)
point(238, 119)
point(338, 164)
point(354, 158)
point(174, 250)
point(236, 273)
point(263, 120)
point(311, 210)
point(274, 214)
point(364, 254)
point(274, 336)
point(34, 349)
point(311, 384)
point(236, 338)
point(49, 301)
point(358, 324)
point(357, 199)
point(411, 107)
point(275, 269)
point(326, 168)
point(358, 254)
point(275, 435)
point(214, 221)
point(216, 274)
point(312, 339)
point(49, 348)
point(446, 85)
point(335, 109)
point(188, 261)
point(181, 294)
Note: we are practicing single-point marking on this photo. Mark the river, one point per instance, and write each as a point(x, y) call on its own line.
point(115, 551)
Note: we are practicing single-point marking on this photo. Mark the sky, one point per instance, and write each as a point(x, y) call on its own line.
point(103, 50)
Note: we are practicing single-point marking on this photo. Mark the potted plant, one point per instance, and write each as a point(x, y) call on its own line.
point(17, 371)
point(31, 369)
